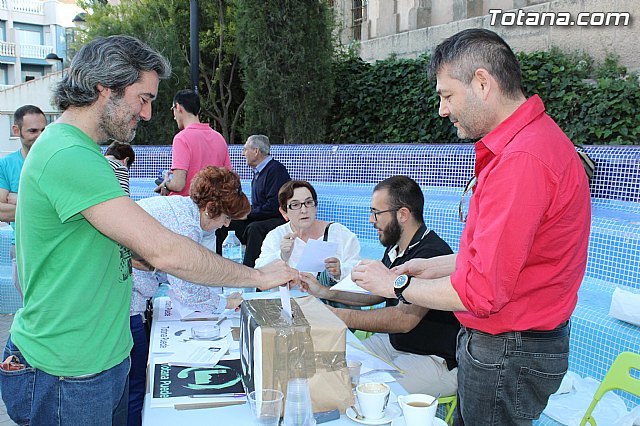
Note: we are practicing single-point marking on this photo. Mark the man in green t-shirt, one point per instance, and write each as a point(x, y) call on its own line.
point(67, 358)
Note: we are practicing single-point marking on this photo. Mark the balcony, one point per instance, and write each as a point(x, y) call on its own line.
point(7, 49)
point(35, 51)
point(26, 6)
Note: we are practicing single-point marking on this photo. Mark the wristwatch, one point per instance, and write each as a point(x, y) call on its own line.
point(165, 186)
point(399, 285)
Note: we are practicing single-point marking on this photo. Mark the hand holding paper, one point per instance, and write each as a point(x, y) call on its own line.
point(373, 276)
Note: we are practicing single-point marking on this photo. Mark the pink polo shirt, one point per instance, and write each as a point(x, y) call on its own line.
point(196, 147)
point(523, 251)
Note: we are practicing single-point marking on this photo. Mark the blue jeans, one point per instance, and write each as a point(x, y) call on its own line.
point(37, 398)
point(506, 379)
point(138, 373)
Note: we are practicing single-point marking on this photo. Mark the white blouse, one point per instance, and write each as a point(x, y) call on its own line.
point(348, 246)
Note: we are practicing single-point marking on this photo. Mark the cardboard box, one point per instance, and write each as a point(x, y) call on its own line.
point(312, 346)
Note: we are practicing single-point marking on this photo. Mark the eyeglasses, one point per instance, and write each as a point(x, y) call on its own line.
point(373, 212)
point(468, 187)
point(173, 107)
point(297, 205)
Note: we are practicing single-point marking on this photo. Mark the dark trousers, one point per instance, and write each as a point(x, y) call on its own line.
point(506, 379)
point(250, 233)
point(138, 372)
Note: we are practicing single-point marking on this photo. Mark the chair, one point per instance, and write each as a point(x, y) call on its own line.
point(450, 403)
point(361, 334)
point(618, 377)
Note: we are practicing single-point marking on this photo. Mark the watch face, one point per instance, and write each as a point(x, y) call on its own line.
point(401, 281)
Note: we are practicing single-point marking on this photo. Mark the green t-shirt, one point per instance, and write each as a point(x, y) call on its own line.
point(76, 281)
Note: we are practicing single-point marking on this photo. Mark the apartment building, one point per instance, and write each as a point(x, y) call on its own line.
point(29, 31)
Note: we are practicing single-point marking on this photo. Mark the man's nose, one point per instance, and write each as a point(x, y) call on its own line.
point(443, 110)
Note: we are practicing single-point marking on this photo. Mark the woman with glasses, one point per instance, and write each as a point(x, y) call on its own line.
point(215, 197)
point(298, 202)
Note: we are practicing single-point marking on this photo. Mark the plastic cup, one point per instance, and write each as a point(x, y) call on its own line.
point(354, 372)
point(266, 406)
point(297, 408)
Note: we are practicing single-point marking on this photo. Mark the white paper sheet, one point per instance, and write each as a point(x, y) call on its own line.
point(169, 336)
point(314, 254)
point(199, 353)
point(357, 352)
point(346, 284)
point(285, 299)
point(165, 310)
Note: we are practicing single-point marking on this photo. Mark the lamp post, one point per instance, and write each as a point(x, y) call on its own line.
point(52, 59)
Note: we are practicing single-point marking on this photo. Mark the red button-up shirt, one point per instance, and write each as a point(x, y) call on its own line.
point(523, 251)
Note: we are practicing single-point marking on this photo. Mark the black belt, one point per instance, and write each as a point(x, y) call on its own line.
point(559, 331)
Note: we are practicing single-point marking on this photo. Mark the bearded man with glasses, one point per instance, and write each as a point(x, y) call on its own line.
point(420, 342)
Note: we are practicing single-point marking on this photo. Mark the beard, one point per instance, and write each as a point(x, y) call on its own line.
point(116, 119)
point(391, 234)
point(471, 121)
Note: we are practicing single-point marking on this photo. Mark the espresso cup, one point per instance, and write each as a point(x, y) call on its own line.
point(419, 409)
point(372, 399)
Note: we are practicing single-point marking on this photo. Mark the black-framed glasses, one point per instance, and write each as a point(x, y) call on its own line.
point(297, 205)
point(373, 212)
point(468, 187)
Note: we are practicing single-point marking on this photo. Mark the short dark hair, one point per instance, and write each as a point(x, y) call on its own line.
point(18, 116)
point(286, 192)
point(189, 100)
point(468, 50)
point(121, 150)
point(404, 192)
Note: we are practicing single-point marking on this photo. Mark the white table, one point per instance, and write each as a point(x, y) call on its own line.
point(232, 415)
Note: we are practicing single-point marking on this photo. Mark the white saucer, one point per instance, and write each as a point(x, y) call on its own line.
point(389, 414)
point(400, 422)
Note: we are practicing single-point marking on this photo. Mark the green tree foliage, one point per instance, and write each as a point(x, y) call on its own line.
point(286, 51)
point(392, 101)
point(164, 25)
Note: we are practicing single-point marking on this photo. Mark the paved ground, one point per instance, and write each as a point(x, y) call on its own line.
point(5, 325)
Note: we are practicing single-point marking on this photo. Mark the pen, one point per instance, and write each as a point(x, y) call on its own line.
point(220, 395)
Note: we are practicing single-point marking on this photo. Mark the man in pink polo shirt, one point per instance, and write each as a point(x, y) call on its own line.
point(195, 147)
point(514, 282)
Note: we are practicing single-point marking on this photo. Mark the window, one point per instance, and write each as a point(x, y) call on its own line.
point(358, 12)
point(4, 74)
point(31, 72)
point(28, 34)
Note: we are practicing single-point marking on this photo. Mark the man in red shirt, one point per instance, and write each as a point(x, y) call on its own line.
point(523, 251)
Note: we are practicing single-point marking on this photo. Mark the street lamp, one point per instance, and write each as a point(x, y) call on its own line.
point(52, 59)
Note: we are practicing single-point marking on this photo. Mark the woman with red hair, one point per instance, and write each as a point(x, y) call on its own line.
point(215, 198)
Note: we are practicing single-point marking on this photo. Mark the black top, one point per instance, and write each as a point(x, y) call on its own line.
point(436, 333)
point(264, 191)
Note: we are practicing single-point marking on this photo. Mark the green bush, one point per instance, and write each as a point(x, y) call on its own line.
point(392, 101)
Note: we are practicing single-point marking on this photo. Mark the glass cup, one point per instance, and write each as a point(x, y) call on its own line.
point(266, 406)
point(354, 372)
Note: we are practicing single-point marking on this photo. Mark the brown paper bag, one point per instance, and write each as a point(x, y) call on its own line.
point(312, 346)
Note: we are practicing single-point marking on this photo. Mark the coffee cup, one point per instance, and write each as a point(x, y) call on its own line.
point(419, 409)
point(372, 399)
